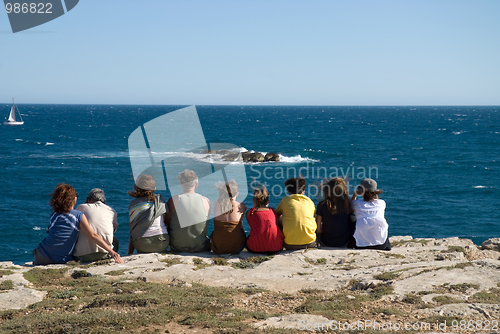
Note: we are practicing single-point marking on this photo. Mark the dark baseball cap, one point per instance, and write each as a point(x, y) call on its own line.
point(368, 184)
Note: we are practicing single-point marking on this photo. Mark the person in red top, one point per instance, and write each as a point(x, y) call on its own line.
point(265, 236)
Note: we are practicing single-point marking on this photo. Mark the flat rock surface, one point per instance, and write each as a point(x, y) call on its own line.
point(429, 266)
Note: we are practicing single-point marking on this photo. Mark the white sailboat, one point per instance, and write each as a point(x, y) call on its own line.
point(12, 116)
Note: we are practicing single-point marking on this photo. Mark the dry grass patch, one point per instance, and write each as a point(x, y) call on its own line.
point(7, 285)
point(172, 261)
point(387, 276)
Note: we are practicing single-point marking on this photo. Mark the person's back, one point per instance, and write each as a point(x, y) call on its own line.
point(103, 220)
point(228, 236)
point(299, 225)
point(335, 227)
point(62, 235)
point(193, 236)
point(265, 235)
point(332, 215)
point(371, 226)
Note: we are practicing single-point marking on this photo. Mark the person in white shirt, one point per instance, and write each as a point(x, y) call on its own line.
point(372, 230)
point(103, 220)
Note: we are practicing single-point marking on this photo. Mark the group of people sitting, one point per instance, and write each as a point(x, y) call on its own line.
point(181, 223)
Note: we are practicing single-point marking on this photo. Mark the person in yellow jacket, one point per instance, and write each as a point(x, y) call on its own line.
point(297, 215)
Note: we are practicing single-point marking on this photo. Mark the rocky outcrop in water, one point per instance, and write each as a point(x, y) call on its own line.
point(245, 156)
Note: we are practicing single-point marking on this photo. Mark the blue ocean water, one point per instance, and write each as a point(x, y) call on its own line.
point(439, 166)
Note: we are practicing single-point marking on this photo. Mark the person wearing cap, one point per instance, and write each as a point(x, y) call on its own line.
point(371, 227)
point(148, 232)
point(187, 217)
point(102, 219)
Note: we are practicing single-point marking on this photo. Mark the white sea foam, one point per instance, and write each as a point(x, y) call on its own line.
point(479, 187)
point(18, 139)
point(458, 132)
point(36, 228)
point(296, 159)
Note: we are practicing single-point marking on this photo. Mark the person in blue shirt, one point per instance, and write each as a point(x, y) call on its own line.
point(62, 233)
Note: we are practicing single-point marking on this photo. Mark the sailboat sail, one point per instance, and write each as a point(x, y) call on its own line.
point(12, 115)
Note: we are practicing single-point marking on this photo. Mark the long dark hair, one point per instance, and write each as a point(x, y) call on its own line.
point(335, 196)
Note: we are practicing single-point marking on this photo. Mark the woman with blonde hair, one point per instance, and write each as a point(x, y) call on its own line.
point(228, 236)
point(65, 225)
point(265, 235)
point(332, 216)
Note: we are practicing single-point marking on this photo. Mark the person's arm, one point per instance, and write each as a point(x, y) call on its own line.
point(131, 247)
point(94, 237)
point(319, 224)
point(171, 209)
point(115, 221)
point(208, 206)
point(354, 194)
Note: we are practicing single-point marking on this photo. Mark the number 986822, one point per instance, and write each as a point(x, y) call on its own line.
point(25, 8)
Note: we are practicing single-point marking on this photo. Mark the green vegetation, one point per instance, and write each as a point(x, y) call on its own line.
point(41, 277)
point(412, 299)
point(172, 261)
point(387, 276)
point(7, 285)
point(486, 297)
point(251, 262)
point(5, 272)
point(318, 261)
point(200, 264)
point(461, 265)
point(380, 291)
point(80, 274)
point(115, 272)
point(98, 305)
point(453, 249)
point(219, 261)
point(333, 307)
point(441, 300)
point(388, 311)
point(420, 241)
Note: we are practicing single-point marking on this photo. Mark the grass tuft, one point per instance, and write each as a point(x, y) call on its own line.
point(387, 276)
point(219, 261)
point(115, 272)
point(7, 285)
point(172, 261)
point(5, 272)
point(40, 277)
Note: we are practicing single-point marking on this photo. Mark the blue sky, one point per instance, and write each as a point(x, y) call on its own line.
point(258, 53)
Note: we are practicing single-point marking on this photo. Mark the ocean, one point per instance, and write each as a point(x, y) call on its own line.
point(439, 166)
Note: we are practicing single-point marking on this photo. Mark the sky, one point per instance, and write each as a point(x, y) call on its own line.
point(257, 52)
